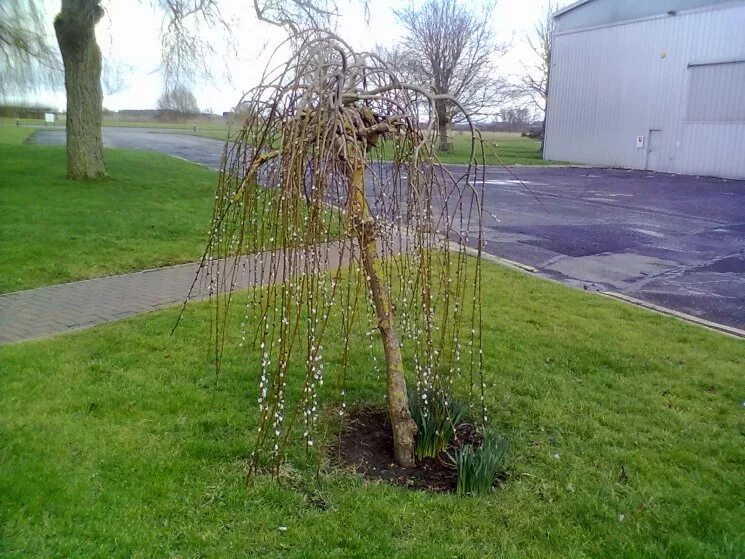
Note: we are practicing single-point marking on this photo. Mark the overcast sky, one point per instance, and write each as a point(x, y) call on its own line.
point(129, 37)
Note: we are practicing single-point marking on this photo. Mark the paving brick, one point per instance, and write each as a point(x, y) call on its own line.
point(47, 311)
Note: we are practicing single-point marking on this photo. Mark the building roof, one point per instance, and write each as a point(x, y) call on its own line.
point(587, 14)
point(570, 7)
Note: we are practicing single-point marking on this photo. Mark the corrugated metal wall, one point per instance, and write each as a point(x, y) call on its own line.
point(595, 13)
point(611, 85)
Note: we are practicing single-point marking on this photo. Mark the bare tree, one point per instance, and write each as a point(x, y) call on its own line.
point(532, 86)
point(296, 15)
point(331, 230)
point(398, 59)
point(516, 117)
point(26, 59)
point(184, 51)
point(179, 99)
point(450, 48)
point(75, 28)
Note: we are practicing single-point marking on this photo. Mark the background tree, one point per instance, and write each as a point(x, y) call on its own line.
point(27, 61)
point(517, 117)
point(532, 86)
point(352, 235)
point(450, 48)
point(75, 27)
point(184, 57)
point(180, 99)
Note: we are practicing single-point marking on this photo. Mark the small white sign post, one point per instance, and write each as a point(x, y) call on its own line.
point(49, 119)
point(640, 141)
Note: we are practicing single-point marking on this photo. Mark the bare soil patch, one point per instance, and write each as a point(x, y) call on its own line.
point(365, 444)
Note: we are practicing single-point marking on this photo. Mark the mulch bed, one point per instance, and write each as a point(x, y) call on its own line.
point(365, 444)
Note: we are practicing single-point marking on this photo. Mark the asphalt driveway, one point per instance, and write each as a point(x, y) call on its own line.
point(672, 240)
point(205, 151)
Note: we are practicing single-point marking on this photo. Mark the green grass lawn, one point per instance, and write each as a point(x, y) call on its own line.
point(119, 442)
point(153, 211)
point(500, 149)
point(216, 130)
point(10, 134)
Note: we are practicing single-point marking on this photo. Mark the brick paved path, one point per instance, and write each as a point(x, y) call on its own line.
point(42, 312)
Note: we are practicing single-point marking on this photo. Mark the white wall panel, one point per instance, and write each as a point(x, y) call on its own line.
point(716, 91)
point(612, 84)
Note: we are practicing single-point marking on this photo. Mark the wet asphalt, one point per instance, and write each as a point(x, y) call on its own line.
point(673, 240)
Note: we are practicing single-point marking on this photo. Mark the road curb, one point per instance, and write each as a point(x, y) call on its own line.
point(721, 328)
point(709, 325)
point(455, 247)
point(507, 262)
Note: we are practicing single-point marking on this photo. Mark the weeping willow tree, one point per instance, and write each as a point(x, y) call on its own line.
point(332, 206)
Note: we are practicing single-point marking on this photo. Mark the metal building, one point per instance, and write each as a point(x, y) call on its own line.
point(649, 84)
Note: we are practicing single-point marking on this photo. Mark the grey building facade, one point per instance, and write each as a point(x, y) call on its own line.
point(649, 84)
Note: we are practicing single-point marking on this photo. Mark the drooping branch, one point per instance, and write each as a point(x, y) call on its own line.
point(28, 60)
point(309, 209)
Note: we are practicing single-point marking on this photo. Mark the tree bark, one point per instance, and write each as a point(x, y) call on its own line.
point(75, 28)
point(443, 126)
point(402, 424)
point(545, 102)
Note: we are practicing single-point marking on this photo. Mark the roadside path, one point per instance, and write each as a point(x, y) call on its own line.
point(56, 309)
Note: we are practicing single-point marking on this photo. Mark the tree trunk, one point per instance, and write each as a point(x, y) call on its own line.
point(75, 28)
point(543, 137)
point(403, 426)
point(443, 126)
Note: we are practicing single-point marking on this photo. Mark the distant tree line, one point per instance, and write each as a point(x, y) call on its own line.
point(14, 111)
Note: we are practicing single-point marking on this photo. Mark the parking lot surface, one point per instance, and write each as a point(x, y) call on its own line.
point(672, 240)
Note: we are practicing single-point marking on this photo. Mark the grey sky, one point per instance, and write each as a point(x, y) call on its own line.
point(128, 35)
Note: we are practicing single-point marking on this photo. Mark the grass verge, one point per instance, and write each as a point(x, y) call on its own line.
point(10, 134)
point(501, 148)
point(153, 211)
point(627, 434)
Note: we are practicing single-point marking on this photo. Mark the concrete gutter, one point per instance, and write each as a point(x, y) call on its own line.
point(709, 325)
point(455, 247)
point(717, 327)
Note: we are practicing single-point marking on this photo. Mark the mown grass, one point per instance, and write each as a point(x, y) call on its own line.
point(627, 434)
point(185, 125)
point(10, 134)
point(153, 211)
point(499, 149)
point(216, 130)
point(502, 148)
